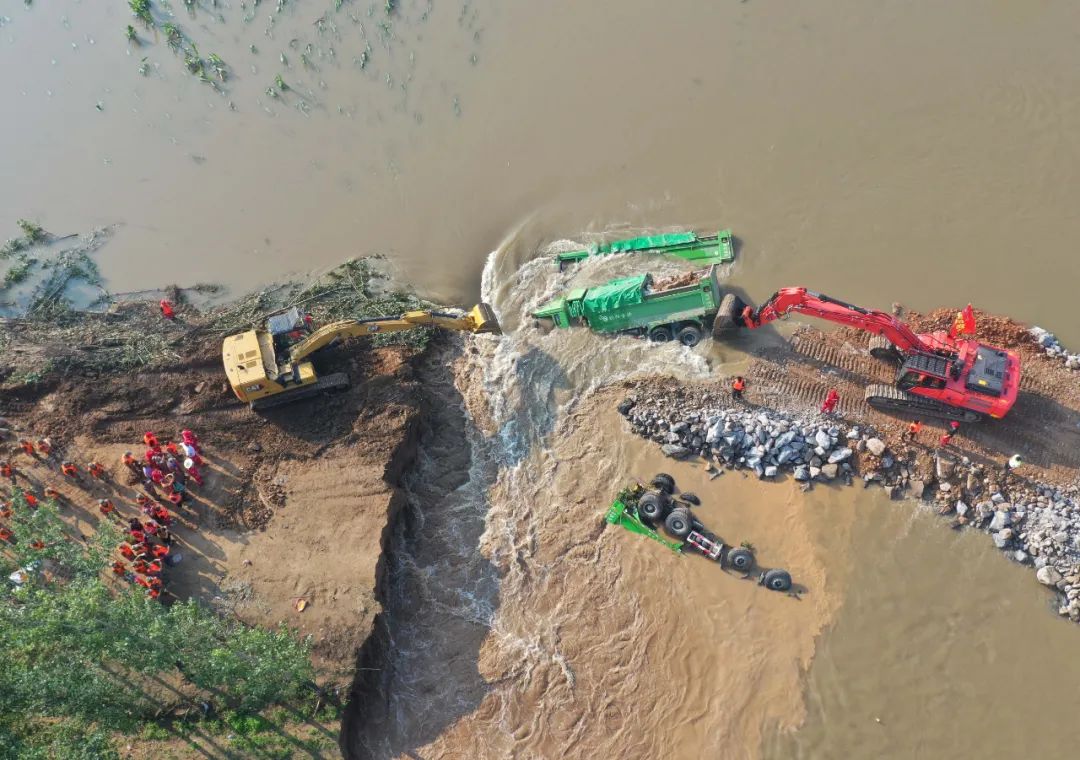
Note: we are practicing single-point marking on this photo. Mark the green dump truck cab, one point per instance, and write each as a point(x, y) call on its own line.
point(680, 307)
point(700, 249)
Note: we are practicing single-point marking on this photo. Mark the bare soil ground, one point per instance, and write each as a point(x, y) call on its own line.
point(1044, 426)
point(297, 503)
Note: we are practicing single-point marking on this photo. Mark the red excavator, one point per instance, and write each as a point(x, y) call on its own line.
point(941, 374)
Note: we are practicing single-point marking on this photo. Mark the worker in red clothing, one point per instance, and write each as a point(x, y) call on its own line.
point(106, 507)
point(128, 460)
point(44, 446)
point(27, 446)
point(913, 431)
point(167, 309)
point(119, 567)
point(173, 449)
point(737, 388)
point(31, 500)
point(37, 544)
point(6, 534)
point(70, 470)
point(832, 398)
point(7, 471)
point(954, 427)
point(96, 470)
point(945, 440)
point(190, 439)
point(127, 550)
point(139, 565)
point(150, 439)
point(159, 552)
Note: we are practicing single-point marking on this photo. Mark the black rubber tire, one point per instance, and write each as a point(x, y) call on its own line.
point(679, 523)
point(729, 316)
point(664, 483)
point(661, 334)
point(690, 498)
point(740, 558)
point(689, 335)
point(777, 580)
point(653, 507)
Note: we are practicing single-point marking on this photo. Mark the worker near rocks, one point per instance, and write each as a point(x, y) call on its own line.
point(737, 388)
point(1010, 467)
point(913, 431)
point(832, 398)
point(7, 471)
point(27, 447)
point(945, 440)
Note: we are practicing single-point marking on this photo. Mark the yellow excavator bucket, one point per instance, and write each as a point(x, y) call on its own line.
point(483, 318)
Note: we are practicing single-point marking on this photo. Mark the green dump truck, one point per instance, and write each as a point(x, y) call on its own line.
point(680, 307)
point(701, 249)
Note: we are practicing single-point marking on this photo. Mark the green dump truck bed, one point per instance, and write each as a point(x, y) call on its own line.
point(680, 306)
point(701, 249)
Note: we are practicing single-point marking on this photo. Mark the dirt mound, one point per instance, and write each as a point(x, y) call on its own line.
point(992, 329)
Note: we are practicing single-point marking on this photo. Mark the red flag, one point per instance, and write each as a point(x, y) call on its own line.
point(969, 320)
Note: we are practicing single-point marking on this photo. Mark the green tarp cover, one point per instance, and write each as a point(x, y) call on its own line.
point(652, 241)
point(615, 294)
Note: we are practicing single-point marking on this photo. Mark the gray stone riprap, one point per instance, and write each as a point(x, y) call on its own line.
point(1053, 348)
point(1035, 524)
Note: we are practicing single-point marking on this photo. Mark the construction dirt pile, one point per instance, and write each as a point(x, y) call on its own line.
point(297, 504)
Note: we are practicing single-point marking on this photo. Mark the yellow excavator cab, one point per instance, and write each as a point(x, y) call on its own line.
point(261, 378)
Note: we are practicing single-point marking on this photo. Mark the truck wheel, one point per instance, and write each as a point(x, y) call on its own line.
point(741, 559)
point(690, 336)
point(777, 580)
point(663, 482)
point(653, 507)
point(679, 523)
point(660, 334)
point(729, 316)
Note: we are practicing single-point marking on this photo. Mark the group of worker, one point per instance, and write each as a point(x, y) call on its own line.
point(171, 467)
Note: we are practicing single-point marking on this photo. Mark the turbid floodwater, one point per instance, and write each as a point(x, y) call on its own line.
point(923, 153)
point(879, 152)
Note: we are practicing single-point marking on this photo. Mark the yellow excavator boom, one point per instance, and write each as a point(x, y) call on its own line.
point(481, 319)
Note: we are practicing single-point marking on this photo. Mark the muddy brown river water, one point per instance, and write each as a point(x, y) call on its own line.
point(889, 151)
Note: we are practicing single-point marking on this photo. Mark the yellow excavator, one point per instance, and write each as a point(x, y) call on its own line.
point(270, 367)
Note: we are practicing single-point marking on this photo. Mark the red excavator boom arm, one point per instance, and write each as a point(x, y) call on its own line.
point(814, 304)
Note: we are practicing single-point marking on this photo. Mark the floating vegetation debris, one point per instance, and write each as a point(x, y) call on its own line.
point(141, 9)
point(280, 83)
point(173, 35)
point(32, 235)
point(130, 33)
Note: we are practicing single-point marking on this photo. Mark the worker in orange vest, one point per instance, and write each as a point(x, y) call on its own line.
point(6, 534)
point(126, 550)
point(6, 510)
point(44, 446)
point(913, 430)
point(27, 446)
point(150, 440)
point(7, 471)
point(96, 469)
point(119, 568)
point(37, 544)
point(69, 469)
point(737, 388)
point(106, 507)
point(128, 459)
point(31, 500)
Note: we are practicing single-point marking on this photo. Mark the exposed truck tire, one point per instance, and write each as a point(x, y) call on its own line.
point(729, 316)
point(679, 523)
point(661, 334)
point(882, 349)
point(741, 559)
point(885, 398)
point(689, 335)
point(653, 507)
point(690, 498)
point(777, 580)
point(664, 483)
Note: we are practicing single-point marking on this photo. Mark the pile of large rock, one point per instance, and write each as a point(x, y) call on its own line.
point(765, 442)
point(1053, 348)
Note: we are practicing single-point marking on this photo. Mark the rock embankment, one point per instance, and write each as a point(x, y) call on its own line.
point(1049, 343)
point(1033, 523)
